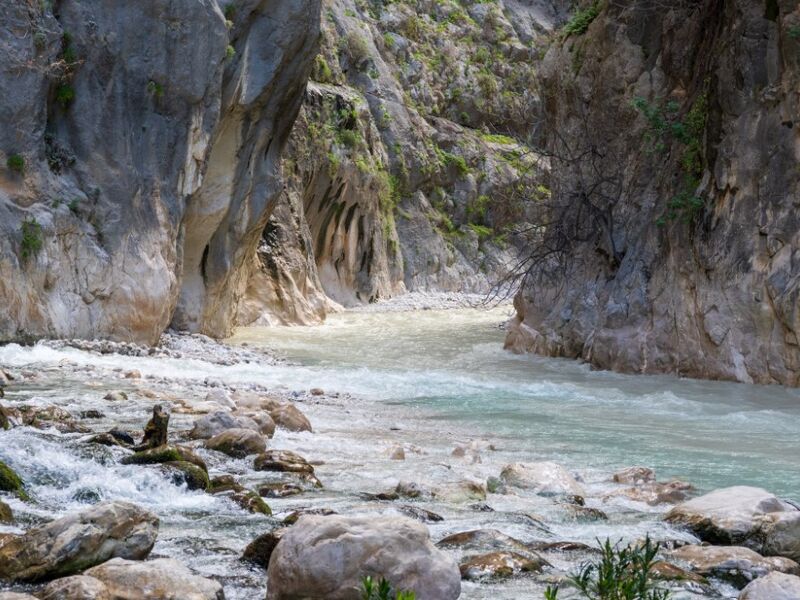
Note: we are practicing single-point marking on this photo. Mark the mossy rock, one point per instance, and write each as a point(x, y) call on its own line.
point(193, 476)
point(164, 454)
point(252, 502)
point(6, 514)
point(11, 482)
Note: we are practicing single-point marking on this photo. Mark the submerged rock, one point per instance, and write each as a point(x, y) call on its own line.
point(115, 396)
point(733, 563)
point(543, 478)
point(420, 514)
point(237, 443)
point(654, 493)
point(461, 491)
point(774, 586)
point(11, 482)
point(77, 587)
point(184, 472)
point(288, 416)
point(159, 579)
point(325, 558)
point(745, 516)
point(279, 490)
point(6, 514)
point(498, 565)
point(483, 540)
point(260, 549)
point(285, 461)
point(79, 540)
point(244, 497)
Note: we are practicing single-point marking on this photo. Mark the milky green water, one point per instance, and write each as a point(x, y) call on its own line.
point(452, 363)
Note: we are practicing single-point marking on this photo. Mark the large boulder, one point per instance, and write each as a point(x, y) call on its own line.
point(215, 423)
point(160, 579)
point(775, 586)
point(745, 516)
point(237, 443)
point(77, 587)
point(78, 541)
point(288, 416)
point(543, 478)
point(734, 563)
point(326, 558)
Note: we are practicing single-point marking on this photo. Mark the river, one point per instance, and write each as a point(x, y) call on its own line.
point(424, 380)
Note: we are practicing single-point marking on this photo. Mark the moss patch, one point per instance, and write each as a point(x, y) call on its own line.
point(11, 482)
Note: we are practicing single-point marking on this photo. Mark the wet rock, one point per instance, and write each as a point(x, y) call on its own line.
point(654, 493)
point(77, 587)
point(310, 560)
point(115, 437)
point(317, 392)
point(217, 422)
point(733, 563)
point(91, 414)
point(543, 478)
point(11, 482)
point(155, 432)
point(420, 514)
point(483, 540)
point(133, 374)
point(496, 565)
point(460, 492)
point(183, 472)
point(246, 498)
point(163, 454)
point(16, 596)
point(744, 516)
point(585, 513)
point(287, 462)
point(79, 540)
point(5, 421)
point(668, 572)
point(237, 443)
point(159, 579)
point(397, 453)
point(563, 547)
point(409, 489)
point(259, 551)
point(634, 476)
point(6, 514)
point(44, 417)
point(265, 423)
point(115, 396)
point(279, 490)
point(495, 485)
point(774, 586)
point(294, 517)
point(288, 416)
point(221, 397)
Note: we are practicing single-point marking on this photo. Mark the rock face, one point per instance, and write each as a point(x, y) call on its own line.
point(78, 541)
point(326, 557)
point(111, 234)
point(160, 579)
point(775, 586)
point(688, 265)
point(744, 516)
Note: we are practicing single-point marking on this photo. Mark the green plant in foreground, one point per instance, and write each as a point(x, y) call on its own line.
point(621, 574)
point(382, 591)
point(16, 163)
point(31, 238)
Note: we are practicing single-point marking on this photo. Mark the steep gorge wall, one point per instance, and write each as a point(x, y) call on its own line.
point(693, 268)
point(402, 165)
point(141, 146)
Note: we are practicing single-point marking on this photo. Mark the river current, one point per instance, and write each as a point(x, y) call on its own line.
point(425, 380)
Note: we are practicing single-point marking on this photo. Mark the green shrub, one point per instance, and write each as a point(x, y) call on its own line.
point(621, 574)
point(581, 20)
point(229, 11)
point(356, 48)
point(31, 238)
point(230, 52)
point(65, 94)
point(382, 591)
point(481, 231)
point(16, 163)
point(155, 89)
point(322, 72)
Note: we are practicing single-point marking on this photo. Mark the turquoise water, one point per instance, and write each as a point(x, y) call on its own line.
point(712, 434)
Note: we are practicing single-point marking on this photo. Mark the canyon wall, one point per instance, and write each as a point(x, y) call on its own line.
point(141, 146)
point(676, 126)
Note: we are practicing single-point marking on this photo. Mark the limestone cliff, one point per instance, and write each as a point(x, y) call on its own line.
point(140, 147)
point(687, 256)
point(403, 163)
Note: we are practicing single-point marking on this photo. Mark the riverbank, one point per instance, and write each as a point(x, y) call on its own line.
point(365, 417)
